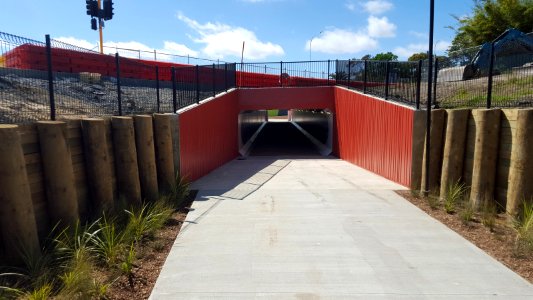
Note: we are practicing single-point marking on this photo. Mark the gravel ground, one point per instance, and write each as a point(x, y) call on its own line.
point(24, 97)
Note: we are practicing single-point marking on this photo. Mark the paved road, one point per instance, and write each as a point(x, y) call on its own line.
point(274, 228)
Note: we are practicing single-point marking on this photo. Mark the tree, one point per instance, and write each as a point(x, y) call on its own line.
point(489, 19)
point(381, 56)
point(418, 56)
point(385, 56)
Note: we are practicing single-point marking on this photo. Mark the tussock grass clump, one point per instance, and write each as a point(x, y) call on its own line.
point(523, 223)
point(179, 192)
point(433, 201)
point(454, 194)
point(489, 212)
point(109, 241)
point(70, 264)
point(145, 220)
point(467, 211)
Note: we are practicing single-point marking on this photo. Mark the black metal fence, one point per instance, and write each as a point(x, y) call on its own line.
point(49, 80)
point(494, 80)
point(54, 80)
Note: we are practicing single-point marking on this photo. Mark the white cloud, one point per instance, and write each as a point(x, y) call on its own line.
point(442, 46)
point(380, 27)
point(76, 42)
point(377, 7)
point(339, 41)
point(169, 47)
point(420, 35)
point(222, 40)
point(405, 52)
point(351, 6)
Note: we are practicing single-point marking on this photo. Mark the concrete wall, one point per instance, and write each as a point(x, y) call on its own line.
point(375, 134)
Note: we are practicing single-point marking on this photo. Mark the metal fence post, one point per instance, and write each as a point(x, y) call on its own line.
point(329, 63)
point(226, 77)
point(365, 76)
point(281, 73)
point(387, 79)
point(174, 91)
point(418, 84)
point(491, 70)
point(435, 78)
point(157, 88)
point(197, 84)
point(426, 187)
point(349, 71)
point(119, 93)
point(50, 78)
point(214, 82)
point(336, 71)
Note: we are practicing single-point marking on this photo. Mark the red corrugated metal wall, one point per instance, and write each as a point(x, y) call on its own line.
point(374, 134)
point(208, 136)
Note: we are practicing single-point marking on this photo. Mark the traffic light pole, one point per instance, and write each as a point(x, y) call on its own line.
point(100, 29)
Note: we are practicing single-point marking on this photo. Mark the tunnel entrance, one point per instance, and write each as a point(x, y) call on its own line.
point(286, 133)
point(282, 138)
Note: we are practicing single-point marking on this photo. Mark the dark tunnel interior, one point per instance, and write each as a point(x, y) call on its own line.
point(303, 133)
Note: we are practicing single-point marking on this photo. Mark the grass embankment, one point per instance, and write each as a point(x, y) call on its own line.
point(84, 261)
point(508, 90)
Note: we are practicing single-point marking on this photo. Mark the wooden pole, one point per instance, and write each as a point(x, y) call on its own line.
point(144, 138)
point(164, 151)
point(98, 164)
point(62, 198)
point(127, 170)
point(17, 217)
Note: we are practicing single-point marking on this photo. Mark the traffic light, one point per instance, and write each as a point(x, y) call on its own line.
point(108, 10)
point(92, 7)
point(93, 24)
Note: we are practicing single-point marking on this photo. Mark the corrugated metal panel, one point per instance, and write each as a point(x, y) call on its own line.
point(374, 134)
point(208, 136)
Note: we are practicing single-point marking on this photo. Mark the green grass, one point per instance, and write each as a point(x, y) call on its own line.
point(454, 194)
point(273, 112)
point(179, 191)
point(127, 265)
point(524, 226)
point(68, 263)
point(473, 93)
point(467, 211)
point(488, 214)
point(109, 241)
point(143, 221)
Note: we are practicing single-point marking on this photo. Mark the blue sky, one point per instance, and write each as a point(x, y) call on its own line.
point(274, 30)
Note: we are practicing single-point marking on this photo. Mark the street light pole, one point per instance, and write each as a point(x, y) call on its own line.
point(426, 186)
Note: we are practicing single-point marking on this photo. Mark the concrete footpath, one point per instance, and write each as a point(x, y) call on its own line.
point(274, 228)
